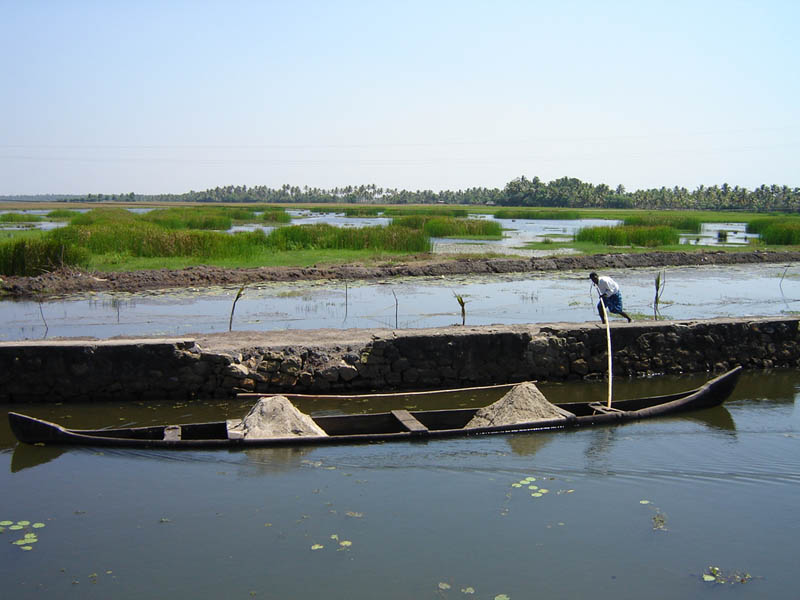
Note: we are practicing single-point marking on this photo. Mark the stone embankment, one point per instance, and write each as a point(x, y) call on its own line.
point(353, 361)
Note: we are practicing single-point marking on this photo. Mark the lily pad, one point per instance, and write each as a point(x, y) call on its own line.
point(468, 590)
point(644, 501)
point(345, 543)
point(6, 523)
point(444, 586)
point(317, 547)
point(37, 525)
point(707, 577)
point(23, 523)
point(26, 548)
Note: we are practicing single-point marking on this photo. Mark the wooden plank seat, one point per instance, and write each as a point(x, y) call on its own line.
point(603, 408)
point(410, 422)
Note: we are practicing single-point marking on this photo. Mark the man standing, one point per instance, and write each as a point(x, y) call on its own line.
point(609, 295)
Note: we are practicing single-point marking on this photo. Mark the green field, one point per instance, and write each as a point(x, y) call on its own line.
point(111, 237)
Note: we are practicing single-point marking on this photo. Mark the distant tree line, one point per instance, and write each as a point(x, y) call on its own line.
point(567, 192)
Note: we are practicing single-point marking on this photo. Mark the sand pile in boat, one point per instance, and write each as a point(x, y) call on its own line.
point(522, 404)
point(275, 416)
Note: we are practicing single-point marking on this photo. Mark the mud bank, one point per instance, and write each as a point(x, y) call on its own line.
point(68, 281)
point(354, 361)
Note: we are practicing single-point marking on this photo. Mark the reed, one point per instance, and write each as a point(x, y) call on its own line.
point(781, 234)
point(143, 239)
point(276, 215)
point(214, 218)
point(26, 257)
point(429, 211)
point(323, 236)
point(62, 214)
point(679, 221)
point(450, 227)
point(13, 217)
point(625, 235)
point(761, 223)
point(523, 213)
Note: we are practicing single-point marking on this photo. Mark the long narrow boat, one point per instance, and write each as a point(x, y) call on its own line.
point(379, 427)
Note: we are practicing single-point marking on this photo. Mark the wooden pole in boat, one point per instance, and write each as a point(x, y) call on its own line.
point(608, 348)
point(608, 344)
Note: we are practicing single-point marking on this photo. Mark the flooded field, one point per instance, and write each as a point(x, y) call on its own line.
point(689, 293)
point(641, 510)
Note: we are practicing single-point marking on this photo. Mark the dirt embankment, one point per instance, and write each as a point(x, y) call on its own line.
point(70, 281)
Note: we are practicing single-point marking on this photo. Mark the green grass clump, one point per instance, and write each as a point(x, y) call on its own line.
point(679, 221)
point(781, 234)
point(361, 211)
point(13, 217)
point(429, 211)
point(62, 214)
point(626, 235)
point(276, 215)
point(522, 213)
point(323, 236)
point(107, 214)
point(450, 227)
point(143, 239)
point(214, 218)
point(26, 257)
point(759, 224)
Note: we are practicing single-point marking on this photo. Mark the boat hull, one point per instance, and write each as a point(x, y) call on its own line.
point(381, 427)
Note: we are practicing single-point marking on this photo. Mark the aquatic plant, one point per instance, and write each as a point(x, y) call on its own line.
point(34, 256)
point(661, 280)
point(462, 304)
point(625, 235)
point(233, 308)
point(550, 215)
point(680, 221)
point(12, 217)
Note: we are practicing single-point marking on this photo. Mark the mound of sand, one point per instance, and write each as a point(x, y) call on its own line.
point(274, 416)
point(523, 404)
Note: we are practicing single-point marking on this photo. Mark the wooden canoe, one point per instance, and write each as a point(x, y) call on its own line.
point(378, 427)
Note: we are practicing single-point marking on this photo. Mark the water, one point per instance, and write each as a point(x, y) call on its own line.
point(420, 516)
point(689, 293)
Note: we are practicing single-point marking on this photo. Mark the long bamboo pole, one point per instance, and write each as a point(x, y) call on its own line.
point(608, 345)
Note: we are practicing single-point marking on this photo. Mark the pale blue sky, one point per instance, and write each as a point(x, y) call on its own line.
point(152, 97)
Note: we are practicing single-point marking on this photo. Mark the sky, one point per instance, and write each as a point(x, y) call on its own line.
point(112, 97)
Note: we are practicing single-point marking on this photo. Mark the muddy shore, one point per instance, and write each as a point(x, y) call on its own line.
point(70, 281)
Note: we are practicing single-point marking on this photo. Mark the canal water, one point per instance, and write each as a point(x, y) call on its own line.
point(688, 293)
point(640, 510)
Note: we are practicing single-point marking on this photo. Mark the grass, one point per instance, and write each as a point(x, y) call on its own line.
point(13, 217)
point(680, 221)
point(629, 235)
point(111, 238)
point(450, 226)
point(536, 213)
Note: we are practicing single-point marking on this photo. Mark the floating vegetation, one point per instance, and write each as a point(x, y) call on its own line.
point(716, 575)
point(537, 492)
point(28, 537)
point(659, 519)
point(443, 587)
point(317, 547)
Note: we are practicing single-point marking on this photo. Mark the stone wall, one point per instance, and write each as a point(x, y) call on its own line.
point(390, 360)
